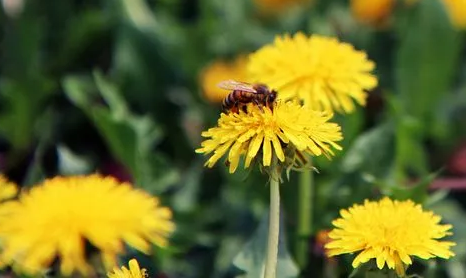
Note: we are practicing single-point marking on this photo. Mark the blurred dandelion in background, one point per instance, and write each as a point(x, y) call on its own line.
point(457, 11)
point(278, 6)
point(58, 218)
point(373, 12)
point(321, 71)
point(133, 272)
point(218, 71)
point(265, 132)
point(390, 232)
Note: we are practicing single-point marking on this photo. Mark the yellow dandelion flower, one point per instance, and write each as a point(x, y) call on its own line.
point(133, 272)
point(58, 217)
point(262, 131)
point(218, 71)
point(274, 6)
point(389, 232)
point(8, 189)
point(323, 72)
point(374, 12)
point(457, 12)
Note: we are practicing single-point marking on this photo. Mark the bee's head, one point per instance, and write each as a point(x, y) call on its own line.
point(272, 96)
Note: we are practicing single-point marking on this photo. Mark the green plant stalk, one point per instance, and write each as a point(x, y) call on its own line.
point(305, 211)
point(274, 222)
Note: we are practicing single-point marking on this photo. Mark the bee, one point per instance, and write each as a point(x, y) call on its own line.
point(244, 93)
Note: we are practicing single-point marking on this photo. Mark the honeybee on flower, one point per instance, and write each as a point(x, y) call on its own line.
point(244, 93)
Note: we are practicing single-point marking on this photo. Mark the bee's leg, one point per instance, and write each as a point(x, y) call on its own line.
point(235, 108)
point(259, 104)
point(269, 104)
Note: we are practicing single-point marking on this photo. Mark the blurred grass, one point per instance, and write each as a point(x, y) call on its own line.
point(117, 81)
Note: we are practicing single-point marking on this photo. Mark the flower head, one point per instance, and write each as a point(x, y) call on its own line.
point(323, 72)
point(264, 132)
point(373, 12)
point(390, 232)
point(218, 71)
point(8, 189)
point(133, 272)
point(57, 218)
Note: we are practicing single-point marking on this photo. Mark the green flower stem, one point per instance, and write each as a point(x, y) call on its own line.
point(304, 229)
point(274, 222)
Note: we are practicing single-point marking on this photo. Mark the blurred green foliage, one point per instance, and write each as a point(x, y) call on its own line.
point(88, 84)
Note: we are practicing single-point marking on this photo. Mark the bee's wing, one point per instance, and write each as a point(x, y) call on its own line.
point(236, 85)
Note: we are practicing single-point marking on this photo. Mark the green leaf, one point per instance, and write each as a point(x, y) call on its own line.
point(22, 106)
point(113, 98)
point(417, 192)
point(251, 259)
point(82, 33)
point(372, 152)
point(427, 58)
point(131, 138)
point(186, 198)
point(410, 154)
point(44, 124)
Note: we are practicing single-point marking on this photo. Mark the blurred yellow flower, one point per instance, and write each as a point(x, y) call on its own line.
point(221, 70)
point(133, 272)
point(274, 6)
point(58, 217)
point(390, 232)
point(374, 12)
point(456, 10)
point(323, 72)
point(268, 133)
point(8, 189)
